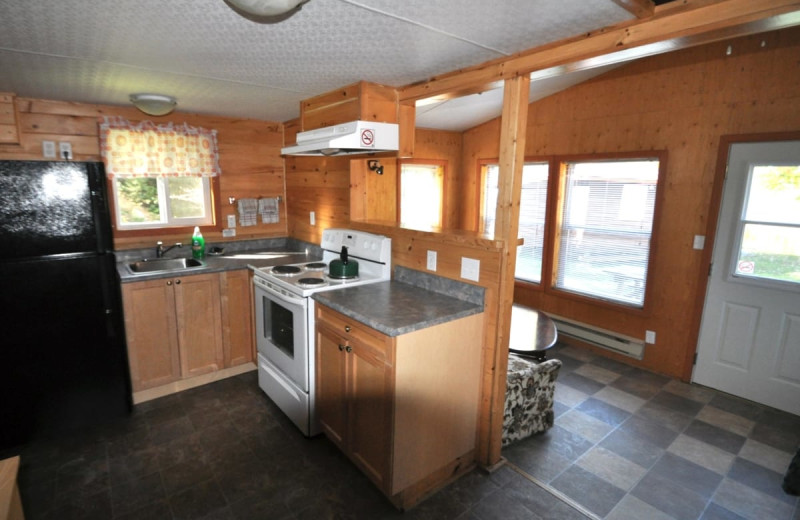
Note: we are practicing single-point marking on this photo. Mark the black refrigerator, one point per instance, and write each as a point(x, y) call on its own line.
point(63, 360)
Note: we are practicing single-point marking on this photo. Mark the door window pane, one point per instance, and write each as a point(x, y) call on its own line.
point(769, 239)
point(606, 227)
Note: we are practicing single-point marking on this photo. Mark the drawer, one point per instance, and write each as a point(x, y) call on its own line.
point(348, 328)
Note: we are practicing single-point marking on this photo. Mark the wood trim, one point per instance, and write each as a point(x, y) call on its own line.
point(721, 169)
point(638, 8)
point(667, 31)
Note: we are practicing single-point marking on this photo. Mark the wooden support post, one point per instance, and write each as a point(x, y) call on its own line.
point(512, 157)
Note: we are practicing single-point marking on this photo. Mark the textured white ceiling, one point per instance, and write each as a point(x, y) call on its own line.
point(217, 62)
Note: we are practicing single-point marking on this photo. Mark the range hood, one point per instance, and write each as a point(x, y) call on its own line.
point(355, 137)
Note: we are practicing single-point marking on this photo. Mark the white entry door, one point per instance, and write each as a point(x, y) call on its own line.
point(749, 342)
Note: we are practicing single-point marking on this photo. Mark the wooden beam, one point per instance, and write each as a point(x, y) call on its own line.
point(697, 23)
point(638, 8)
point(512, 156)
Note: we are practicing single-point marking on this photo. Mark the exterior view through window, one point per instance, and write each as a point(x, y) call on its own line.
point(144, 202)
point(533, 207)
point(421, 193)
point(605, 229)
point(768, 238)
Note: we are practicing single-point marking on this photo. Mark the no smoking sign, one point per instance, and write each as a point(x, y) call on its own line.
point(746, 267)
point(367, 137)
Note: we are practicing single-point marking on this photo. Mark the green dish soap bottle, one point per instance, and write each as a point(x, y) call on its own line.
point(198, 244)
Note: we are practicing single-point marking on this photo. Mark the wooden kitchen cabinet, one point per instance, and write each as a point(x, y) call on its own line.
point(237, 317)
point(354, 394)
point(404, 409)
point(173, 328)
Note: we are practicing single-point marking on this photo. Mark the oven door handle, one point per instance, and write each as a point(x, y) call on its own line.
point(289, 300)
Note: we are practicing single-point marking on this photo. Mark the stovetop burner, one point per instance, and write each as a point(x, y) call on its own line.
point(286, 270)
point(311, 282)
point(316, 266)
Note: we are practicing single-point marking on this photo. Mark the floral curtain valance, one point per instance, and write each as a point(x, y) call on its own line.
point(149, 150)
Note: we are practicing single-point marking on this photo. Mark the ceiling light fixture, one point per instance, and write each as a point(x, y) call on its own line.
point(154, 104)
point(266, 10)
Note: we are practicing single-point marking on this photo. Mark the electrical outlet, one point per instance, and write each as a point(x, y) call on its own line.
point(231, 221)
point(228, 233)
point(312, 218)
point(431, 260)
point(470, 269)
point(699, 242)
point(650, 337)
point(64, 150)
point(49, 149)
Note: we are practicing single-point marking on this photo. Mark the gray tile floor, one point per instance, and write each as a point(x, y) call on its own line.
point(225, 451)
point(630, 444)
point(627, 444)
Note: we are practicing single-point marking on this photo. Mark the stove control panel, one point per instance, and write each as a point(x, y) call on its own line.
point(359, 243)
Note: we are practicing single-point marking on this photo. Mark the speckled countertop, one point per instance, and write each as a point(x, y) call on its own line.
point(396, 308)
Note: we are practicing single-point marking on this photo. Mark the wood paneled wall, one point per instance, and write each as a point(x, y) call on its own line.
point(249, 157)
point(682, 103)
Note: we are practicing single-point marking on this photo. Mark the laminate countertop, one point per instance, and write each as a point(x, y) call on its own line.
point(396, 308)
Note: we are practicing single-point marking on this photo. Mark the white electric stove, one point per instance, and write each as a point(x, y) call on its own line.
point(285, 317)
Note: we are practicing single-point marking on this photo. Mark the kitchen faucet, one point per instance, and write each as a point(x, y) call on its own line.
point(160, 250)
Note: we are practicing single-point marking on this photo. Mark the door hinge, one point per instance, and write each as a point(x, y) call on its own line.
point(709, 269)
point(694, 361)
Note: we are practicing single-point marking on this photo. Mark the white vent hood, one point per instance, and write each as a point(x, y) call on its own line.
point(355, 137)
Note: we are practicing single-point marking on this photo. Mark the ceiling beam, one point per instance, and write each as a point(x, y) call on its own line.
point(638, 8)
point(697, 22)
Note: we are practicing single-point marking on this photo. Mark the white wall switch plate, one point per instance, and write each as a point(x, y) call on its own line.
point(699, 242)
point(431, 260)
point(49, 149)
point(231, 221)
point(650, 337)
point(312, 218)
point(64, 150)
point(470, 269)
point(227, 233)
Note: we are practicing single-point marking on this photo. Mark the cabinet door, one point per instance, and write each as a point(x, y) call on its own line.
point(198, 314)
point(369, 411)
point(331, 386)
point(151, 333)
point(237, 317)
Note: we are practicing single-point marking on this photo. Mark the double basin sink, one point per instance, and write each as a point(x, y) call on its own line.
point(164, 265)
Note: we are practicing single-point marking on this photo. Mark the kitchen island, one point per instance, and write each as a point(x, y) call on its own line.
point(398, 383)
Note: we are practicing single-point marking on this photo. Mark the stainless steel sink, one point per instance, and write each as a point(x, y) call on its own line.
point(164, 264)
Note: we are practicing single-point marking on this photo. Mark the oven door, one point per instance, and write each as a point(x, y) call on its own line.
point(282, 331)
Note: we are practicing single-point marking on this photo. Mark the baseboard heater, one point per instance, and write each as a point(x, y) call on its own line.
point(600, 337)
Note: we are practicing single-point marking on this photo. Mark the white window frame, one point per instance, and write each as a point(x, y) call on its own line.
point(757, 281)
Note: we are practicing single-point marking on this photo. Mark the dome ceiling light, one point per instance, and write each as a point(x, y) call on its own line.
point(266, 11)
point(154, 104)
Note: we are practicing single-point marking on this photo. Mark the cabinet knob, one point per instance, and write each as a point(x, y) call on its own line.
point(348, 348)
point(347, 328)
point(177, 282)
point(169, 282)
point(341, 348)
